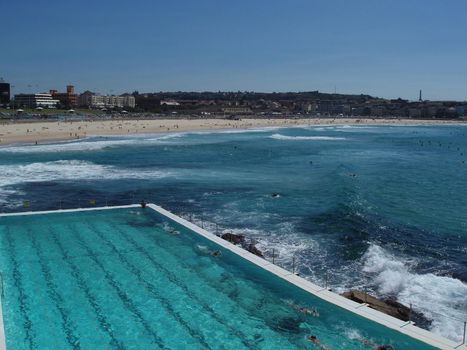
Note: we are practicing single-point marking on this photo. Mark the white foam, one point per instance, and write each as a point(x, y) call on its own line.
point(346, 126)
point(236, 131)
point(305, 138)
point(90, 144)
point(97, 143)
point(68, 170)
point(440, 298)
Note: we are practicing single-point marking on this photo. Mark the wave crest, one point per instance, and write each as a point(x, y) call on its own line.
point(440, 298)
point(91, 144)
point(304, 138)
point(63, 170)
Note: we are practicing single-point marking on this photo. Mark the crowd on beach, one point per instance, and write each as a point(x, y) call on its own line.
point(42, 131)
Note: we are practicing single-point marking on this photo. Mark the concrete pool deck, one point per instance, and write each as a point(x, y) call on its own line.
point(407, 328)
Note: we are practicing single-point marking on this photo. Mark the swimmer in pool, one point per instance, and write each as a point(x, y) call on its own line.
point(316, 341)
point(304, 310)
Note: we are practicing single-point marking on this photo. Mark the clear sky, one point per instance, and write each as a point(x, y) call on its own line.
point(387, 48)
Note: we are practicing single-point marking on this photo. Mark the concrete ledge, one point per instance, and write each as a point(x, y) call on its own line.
point(69, 210)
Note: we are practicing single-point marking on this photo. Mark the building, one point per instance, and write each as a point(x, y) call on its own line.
point(169, 103)
point(43, 100)
point(4, 92)
point(67, 99)
point(91, 100)
point(415, 113)
point(237, 110)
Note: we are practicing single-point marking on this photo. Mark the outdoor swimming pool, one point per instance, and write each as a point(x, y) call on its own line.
point(131, 278)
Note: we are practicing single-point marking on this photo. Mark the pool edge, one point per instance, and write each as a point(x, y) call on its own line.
point(406, 328)
point(2, 327)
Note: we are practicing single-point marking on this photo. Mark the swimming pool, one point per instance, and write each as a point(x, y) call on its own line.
point(132, 278)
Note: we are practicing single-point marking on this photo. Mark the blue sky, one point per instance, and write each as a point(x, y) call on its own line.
point(387, 48)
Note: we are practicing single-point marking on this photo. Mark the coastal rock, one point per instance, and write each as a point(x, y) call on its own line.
point(387, 306)
point(245, 243)
point(252, 249)
point(233, 238)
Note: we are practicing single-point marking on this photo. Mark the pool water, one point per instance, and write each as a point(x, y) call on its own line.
point(134, 279)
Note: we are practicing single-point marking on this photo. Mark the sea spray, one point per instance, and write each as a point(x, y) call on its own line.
point(439, 298)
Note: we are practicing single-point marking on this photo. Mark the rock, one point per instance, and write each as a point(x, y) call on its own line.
point(387, 306)
point(233, 238)
point(252, 249)
point(242, 240)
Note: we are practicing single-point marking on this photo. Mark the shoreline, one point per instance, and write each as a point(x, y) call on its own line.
point(35, 132)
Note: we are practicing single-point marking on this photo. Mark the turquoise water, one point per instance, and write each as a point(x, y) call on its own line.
point(132, 279)
point(376, 208)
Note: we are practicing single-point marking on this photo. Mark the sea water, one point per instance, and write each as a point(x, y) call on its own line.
point(133, 279)
point(375, 208)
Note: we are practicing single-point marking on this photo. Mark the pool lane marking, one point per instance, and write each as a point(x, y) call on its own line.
point(64, 211)
point(175, 280)
point(103, 322)
point(67, 324)
point(120, 291)
point(247, 312)
point(17, 277)
point(152, 289)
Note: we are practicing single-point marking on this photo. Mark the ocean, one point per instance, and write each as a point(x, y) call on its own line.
point(381, 209)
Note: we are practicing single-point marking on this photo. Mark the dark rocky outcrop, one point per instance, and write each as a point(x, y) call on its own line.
point(233, 238)
point(252, 249)
point(388, 306)
point(244, 242)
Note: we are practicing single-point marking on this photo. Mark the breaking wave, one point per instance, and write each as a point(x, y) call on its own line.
point(303, 138)
point(64, 170)
point(441, 299)
point(108, 141)
point(90, 144)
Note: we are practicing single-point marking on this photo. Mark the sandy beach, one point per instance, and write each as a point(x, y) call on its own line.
point(46, 131)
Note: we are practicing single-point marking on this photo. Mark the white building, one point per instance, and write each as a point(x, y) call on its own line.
point(169, 103)
point(36, 100)
point(91, 100)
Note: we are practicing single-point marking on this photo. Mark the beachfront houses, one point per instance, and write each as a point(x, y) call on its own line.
point(91, 100)
point(42, 100)
point(68, 99)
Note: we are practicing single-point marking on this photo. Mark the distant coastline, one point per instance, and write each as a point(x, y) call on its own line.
point(40, 131)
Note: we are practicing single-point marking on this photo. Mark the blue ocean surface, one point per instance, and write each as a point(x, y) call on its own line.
point(376, 208)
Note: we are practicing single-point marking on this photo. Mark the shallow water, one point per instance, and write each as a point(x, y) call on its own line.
point(380, 208)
